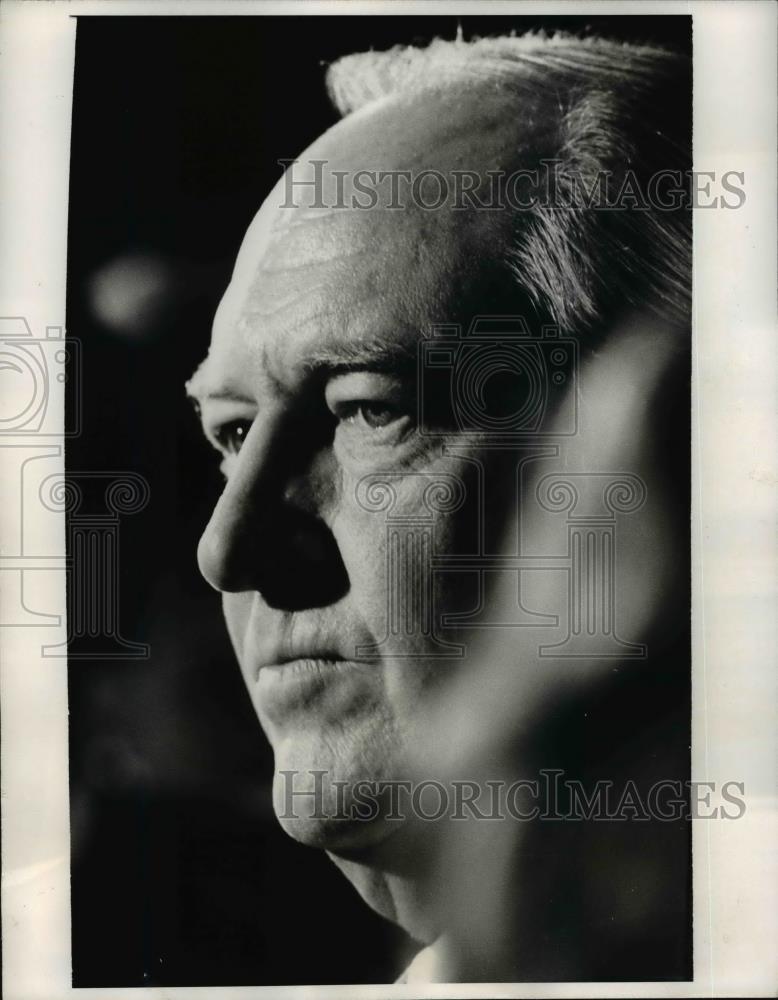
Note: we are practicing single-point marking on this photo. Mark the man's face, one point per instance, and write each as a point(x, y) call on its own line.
point(309, 387)
point(310, 394)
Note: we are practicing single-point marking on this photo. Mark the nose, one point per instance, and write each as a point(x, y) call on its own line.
point(267, 533)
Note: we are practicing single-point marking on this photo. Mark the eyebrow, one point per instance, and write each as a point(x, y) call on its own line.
point(231, 395)
point(195, 392)
point(333, 359)
point(374, 355)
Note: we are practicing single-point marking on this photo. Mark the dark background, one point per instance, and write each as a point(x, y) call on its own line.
point(180, 874)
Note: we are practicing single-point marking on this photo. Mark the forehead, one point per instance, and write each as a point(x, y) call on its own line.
point(316, 280)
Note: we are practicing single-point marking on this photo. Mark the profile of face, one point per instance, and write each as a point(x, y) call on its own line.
point(309, 393)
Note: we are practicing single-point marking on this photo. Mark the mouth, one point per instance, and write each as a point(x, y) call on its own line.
point(302, 651)
point(303, 665)
point(301, 659)
point(308, 681)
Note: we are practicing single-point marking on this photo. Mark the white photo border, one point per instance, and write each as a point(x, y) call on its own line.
point(734, 548)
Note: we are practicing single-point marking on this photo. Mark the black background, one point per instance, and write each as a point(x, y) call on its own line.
point(180, 874)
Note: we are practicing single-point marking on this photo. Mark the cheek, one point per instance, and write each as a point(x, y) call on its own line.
point(389, 551)
point(361, 539)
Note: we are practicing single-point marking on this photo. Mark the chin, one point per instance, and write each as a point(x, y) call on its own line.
point(324, 797)
point(347, 838)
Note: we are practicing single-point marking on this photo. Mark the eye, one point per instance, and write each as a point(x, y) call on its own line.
point(374, 414)
point(229, 437)
point(370, 408)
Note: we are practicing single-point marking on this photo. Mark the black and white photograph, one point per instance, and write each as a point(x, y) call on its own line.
point(361, 498)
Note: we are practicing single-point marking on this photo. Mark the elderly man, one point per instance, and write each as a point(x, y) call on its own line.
point(448, 383)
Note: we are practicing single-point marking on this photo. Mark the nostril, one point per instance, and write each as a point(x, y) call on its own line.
point(313, 546)
point(303, 567)
point(285, 554)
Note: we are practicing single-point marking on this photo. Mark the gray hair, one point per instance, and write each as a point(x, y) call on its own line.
point(619, 108)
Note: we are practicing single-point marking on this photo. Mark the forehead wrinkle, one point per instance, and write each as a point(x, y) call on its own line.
point(317, 311)
point(300, 215)
point(280, 357)
point(343, 319)
point(293, 298)
point(308, 264)
point(298, 293)
point(275, 288)
point(322, 240)
point(277, 352)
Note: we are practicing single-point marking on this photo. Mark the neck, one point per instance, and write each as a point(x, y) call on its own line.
point(396, 881)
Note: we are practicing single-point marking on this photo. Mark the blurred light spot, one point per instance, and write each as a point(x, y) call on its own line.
point(132, 293)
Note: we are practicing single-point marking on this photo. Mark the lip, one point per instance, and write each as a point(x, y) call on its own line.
point(298, 683)
point(303, 650)
point(302, 666)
